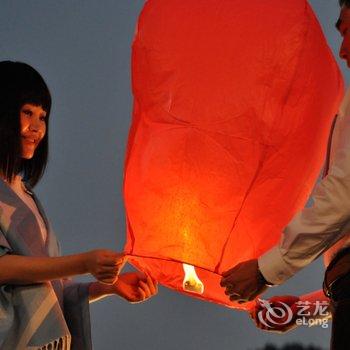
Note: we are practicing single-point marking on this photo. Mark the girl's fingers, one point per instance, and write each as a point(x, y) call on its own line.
point(107, 278)
point(110, 270)
point(155, 283)
point(107, 275)
point(152, 286)
point(141, 293)
point(107, 281)
point(113, 259)
point(144, 286)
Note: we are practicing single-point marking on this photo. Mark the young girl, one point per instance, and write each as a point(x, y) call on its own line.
point(40, 307)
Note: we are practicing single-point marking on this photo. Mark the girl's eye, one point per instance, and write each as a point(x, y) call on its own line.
point(42, 119)
point(27, 112)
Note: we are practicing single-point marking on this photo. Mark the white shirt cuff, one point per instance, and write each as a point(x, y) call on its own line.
point(273, 267)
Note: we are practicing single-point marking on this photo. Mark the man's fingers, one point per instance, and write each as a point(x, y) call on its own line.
point(243, 298)
point(228, 272)
point(239, 296)
point(257, 292)
point(253, 295)
point(242, 301)
point(238, 299)
point(235, 297)
point(246, 295)
point(235, 293)
point(230, 287)
point(225, 273)
point(225, 281)
point(234, 269)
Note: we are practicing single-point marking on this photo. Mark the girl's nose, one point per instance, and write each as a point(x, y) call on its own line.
point(34, 125)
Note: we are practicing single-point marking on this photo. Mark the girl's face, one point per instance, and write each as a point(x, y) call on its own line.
point(33, 128)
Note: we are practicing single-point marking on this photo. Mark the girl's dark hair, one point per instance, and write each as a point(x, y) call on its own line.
point(344, 2)
point(21, 84)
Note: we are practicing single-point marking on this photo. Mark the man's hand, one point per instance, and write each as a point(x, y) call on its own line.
point(135, 287)
point(243, 282)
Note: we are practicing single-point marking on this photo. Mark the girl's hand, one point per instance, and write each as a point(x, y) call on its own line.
point(104, 264)
point(135, 287)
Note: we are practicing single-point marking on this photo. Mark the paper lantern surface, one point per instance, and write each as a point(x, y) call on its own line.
point(233, 102)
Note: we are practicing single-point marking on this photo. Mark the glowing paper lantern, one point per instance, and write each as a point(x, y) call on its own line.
point(233, 106)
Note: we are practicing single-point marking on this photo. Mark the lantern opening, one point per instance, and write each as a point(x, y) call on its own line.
point(191, 282)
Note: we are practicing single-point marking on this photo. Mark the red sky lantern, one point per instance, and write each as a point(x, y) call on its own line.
point(233, 102)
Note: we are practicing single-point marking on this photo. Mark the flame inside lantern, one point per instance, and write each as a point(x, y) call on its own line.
point(191, 282)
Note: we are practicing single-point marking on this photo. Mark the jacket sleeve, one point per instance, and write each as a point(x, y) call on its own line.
point(76, 310)
point(77, 313)
point(4, 244)
point(315, 229)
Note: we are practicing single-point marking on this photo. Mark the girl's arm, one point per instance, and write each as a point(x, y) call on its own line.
point(104, 265)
